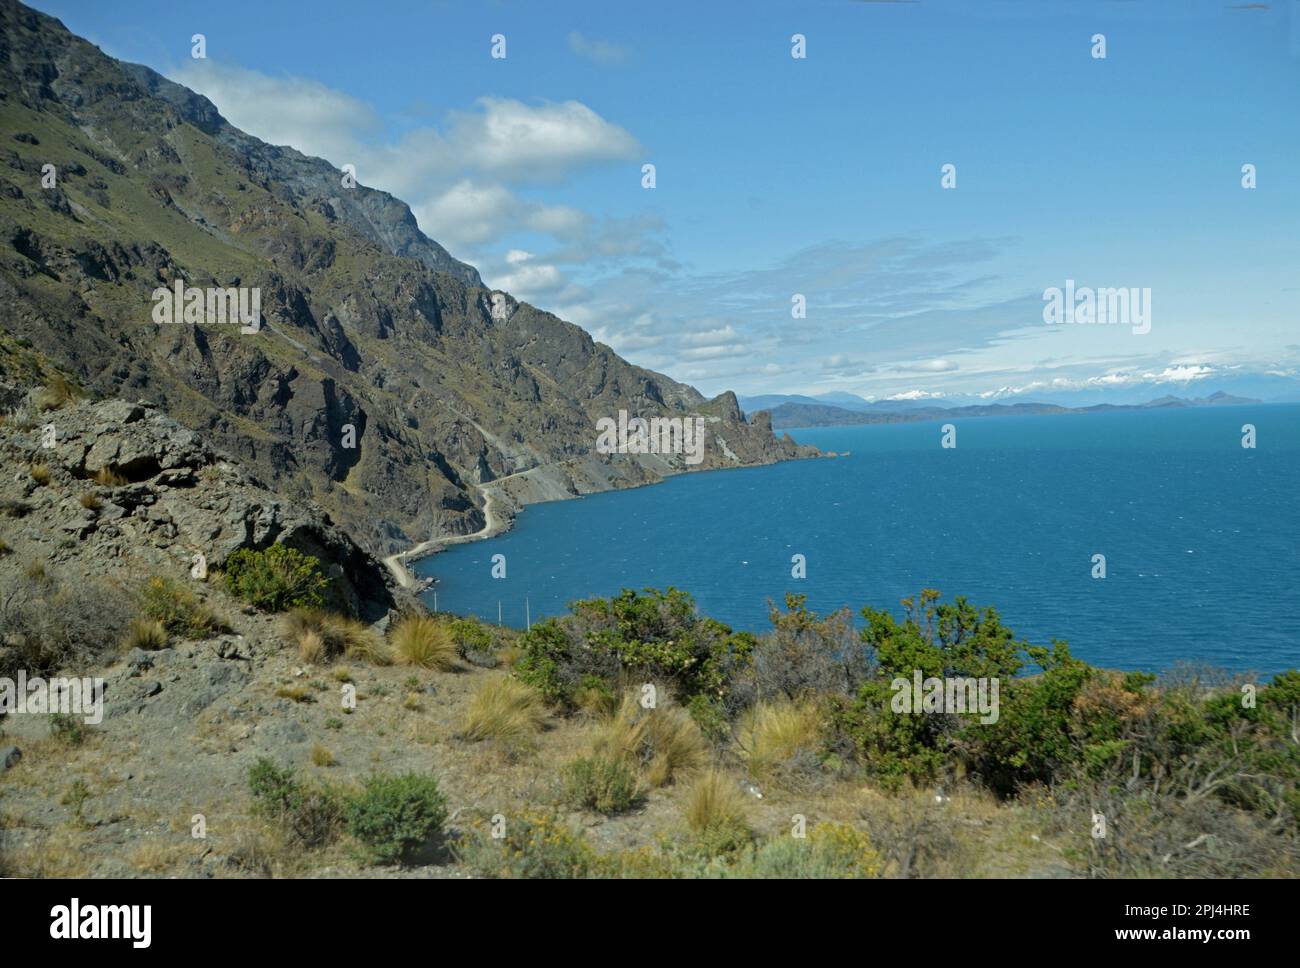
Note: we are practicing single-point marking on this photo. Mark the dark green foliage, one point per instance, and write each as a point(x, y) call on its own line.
point(394, 815)
point(276, 578)
point(653, 636)
point(940, 640)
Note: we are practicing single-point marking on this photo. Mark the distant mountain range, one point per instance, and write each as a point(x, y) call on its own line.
point(797, 411)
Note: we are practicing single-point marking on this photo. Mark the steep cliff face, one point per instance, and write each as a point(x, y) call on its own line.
point(384, 381)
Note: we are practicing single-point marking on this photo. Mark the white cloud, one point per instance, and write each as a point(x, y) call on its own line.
point(456, 178)
point(543, 141)
point(294, 111)
point(597, 51)
point(710, 337)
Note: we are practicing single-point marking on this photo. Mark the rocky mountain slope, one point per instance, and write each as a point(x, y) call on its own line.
point(125, 492)
point(385, 381)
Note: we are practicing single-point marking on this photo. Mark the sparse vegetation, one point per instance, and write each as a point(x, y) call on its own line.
point(179, 610)
point(327, 635)
point(91, 501)
point(67, 729)
point(50, 624)
point(12, 508)
point(107, 476)
point(41, 474)
point(76, 797)
point(295, 693)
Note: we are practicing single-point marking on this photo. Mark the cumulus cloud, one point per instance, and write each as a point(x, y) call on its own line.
point(459, 177)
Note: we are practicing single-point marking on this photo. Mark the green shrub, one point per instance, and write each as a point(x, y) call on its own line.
point(652, 636)
point(394, 815)
point(474, 643)
point(309, 815)
point(276, 578)
point(599, 783)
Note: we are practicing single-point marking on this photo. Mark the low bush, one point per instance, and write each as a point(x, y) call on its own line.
point(395, 815)
point(276, 578)
point(327, 635)
point(603, 784)
point(535, 844)
point(67, 729)
point(779, 741)
point(310, 816)
point(652, 636)
point(57, 393)
point(145, 633)
point(474, 643)
point(107, 476)
point(830, 851)
point(660, 744)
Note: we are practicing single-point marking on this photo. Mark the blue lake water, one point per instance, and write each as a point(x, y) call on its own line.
point(1199, 534)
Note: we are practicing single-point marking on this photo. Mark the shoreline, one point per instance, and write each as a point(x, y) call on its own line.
point(397, 564)
point(493, 526)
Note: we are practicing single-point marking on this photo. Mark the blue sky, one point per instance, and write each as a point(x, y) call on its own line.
point(818, 176)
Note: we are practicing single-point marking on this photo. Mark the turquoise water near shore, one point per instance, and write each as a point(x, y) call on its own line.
point(1199, 534)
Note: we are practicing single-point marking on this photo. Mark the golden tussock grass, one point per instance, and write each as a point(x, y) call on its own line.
point(505, 710)
point(146, 634)
point(715, 802)
point(420, 640)
point(773, 733)
point(662, 744)
point(321, 635)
